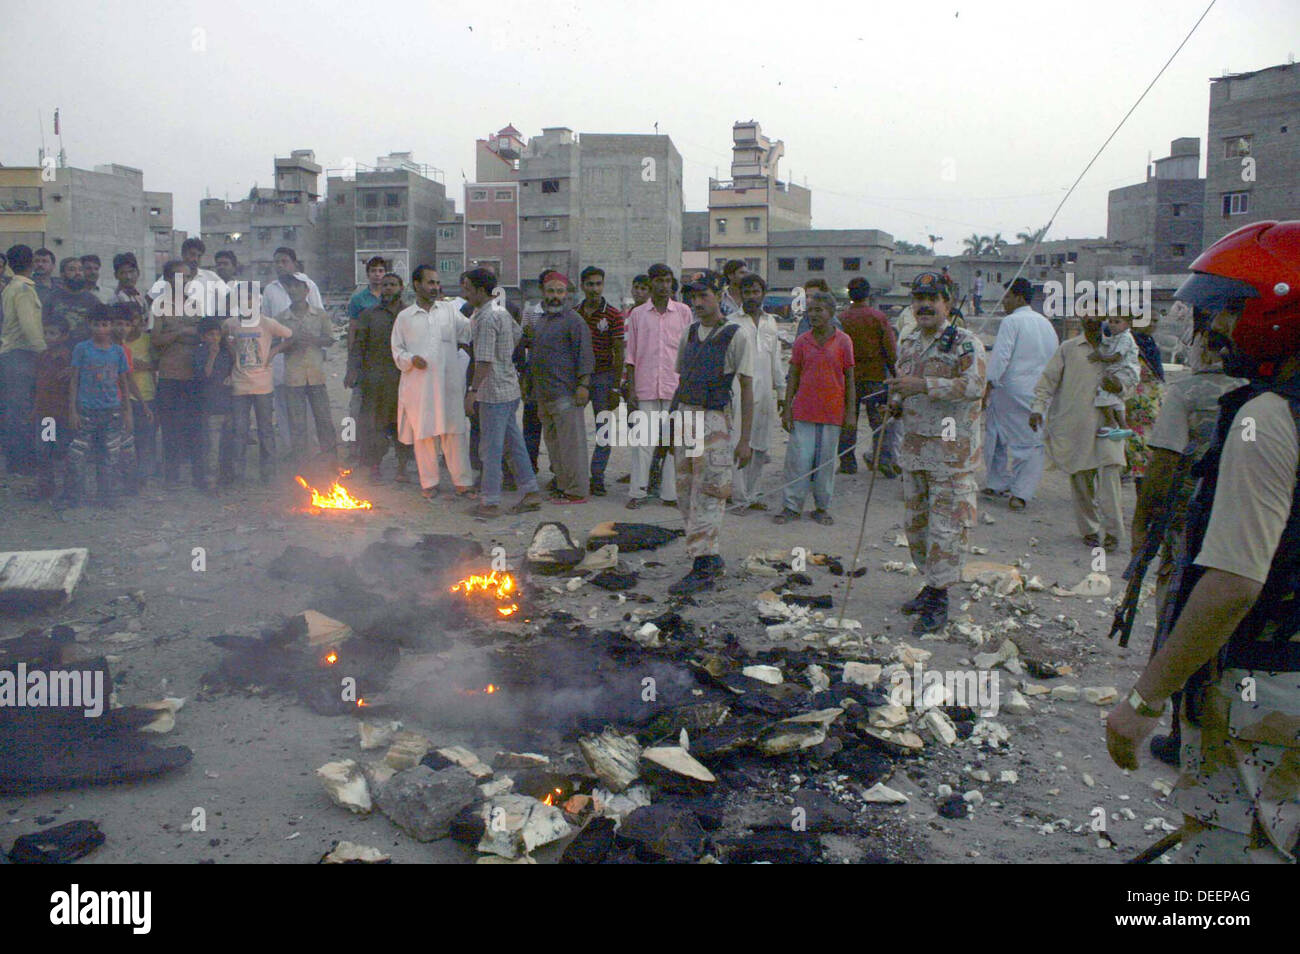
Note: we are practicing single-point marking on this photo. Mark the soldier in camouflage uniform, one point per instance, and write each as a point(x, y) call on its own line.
point(713, 352)
point(1182, 434)
point(1230, 628)
point(938, 393)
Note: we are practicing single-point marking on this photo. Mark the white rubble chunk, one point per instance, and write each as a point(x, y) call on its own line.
point(345, 784)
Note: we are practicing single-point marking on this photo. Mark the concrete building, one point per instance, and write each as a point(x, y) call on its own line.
point(23, 220)
point(393, 209)
point(695, 231)
point(630, 208)
point(609, 200)
point(167, 239)
point(103, 211)
point(290, 214)
point(451, 249)
point(1252, 169)
point(550, 176)
point(1164, 214)
point(754, 202)
point(491, 231)
point(835, 255)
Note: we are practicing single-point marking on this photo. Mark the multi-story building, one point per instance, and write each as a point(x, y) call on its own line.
point(289, 214)
point(392, 209)
point(491, 233)
point(1252, 168)
point(549, 180)
point(104, 211)
point(631, 207)
point(166, 238)
point(451, 249)
point(754, 202)
point(835, 255)
point(1165, 213)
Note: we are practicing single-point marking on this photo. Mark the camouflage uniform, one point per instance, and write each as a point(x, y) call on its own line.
point(704, 481)
point(938, 474)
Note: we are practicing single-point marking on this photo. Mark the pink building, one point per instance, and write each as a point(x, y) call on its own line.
point(492, 207)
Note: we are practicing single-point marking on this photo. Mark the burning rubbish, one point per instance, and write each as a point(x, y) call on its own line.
point(338, 497)
point(499, 587)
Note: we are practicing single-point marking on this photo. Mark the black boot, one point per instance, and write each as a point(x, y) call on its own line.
point(934, 614)
point(704, 573)
point(916, 603)
point(1165, 748)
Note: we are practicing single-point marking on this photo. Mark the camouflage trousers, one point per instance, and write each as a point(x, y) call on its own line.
point(940, 510)
point(704, 483)
point(1240, 781)
point(99, 439)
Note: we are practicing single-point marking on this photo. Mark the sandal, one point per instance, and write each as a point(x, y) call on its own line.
point(822, 517)
point(785, 516)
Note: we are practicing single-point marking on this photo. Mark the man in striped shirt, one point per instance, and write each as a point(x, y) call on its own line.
point(605, 322)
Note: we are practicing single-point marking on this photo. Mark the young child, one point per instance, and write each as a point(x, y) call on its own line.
point(212, 365)
point(819, 399)
point(50, 410)
point(143, 365)
point(1119, 352)
point(98, 415)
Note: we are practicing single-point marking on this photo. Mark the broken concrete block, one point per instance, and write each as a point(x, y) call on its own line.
point(423, 802)
point(322, 630)
point(648, 636)
point(911, 656)
point(1034, 585)
point(377, 773)
point(1015, 703)
point(345, 784)
point(605, 558)
point(31, 578)
point(616, 805)
point(800, 732)
point(553, 550)
point(612, 757)
point(861, 674)
point(516, 824)
point(347, 853)
point(520, 760)
point(898, 566)
point(1101, 695)
point(937, 723)
point(1010, 776)
point(817, 678)
point(887, 717)
point(1094, 584)
point(769, 674)
point(377, 734)
point(1065, 693)
point(1034, 689)
point(677, 760)
point(467, 760)
point(882, 794)
point(406, 750)
point(496, 787)
point(1003, 578)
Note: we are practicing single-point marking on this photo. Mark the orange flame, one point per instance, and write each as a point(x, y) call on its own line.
point(498, 586)
point(331, 659)
point(550, 797)
point(338, 497)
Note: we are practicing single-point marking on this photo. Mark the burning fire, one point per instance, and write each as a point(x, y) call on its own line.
point(487, 690)
point(331, 658)
point(498, 586)
point(551, 796)
point(338, 497)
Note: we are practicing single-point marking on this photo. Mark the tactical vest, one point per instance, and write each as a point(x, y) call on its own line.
point(1262, 639)
point(703, 382)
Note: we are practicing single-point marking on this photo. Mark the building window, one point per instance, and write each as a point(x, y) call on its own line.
point(785, 264)
point(446, 233)
point(1236, 146)
point(1236, 203)
point(1071, 257)
point(550, 185)
point(155, 211)
point(370, 200)
point(505, 195)
point(1040, 259)
point(851, 264)
point(492, 230)
point(478, 195)
point(448, 265)
point(340, 199)
point(1178, 208)
point(288, 233)
point(550, 225)
point(751, 223)
point(889, 264)
point(752, 264)
point(816, 264)
point(1058, 259)
point(392, 200)
point(722, 226)
point(1178, 251)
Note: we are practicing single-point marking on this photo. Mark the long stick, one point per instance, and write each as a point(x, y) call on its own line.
point(879, 441)
point(1158, 849)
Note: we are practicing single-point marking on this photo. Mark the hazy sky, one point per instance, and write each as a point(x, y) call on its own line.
point(870, 98)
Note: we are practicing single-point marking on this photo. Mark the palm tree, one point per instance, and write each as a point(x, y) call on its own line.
point(933, 240)
point(1031, 234)
point(997, 244)
point(974, 244)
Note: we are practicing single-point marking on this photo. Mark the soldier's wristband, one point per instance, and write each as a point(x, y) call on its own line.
point(1140, 706)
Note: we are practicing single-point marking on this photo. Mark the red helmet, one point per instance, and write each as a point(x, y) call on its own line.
point(1255, 269)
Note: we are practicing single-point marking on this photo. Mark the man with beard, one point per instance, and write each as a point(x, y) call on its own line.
point(1230, 633)
point(90, 266)
point(43, 275)
point(1065, 394)
point(768, 383)
point(376, 378)
point(72, 302)
point(560, 362)
point(938, 391)
point(431, 394)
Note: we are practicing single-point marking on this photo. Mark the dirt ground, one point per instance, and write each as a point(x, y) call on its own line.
point(254, 756)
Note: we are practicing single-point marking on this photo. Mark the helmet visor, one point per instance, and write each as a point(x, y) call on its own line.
point(1214, 293)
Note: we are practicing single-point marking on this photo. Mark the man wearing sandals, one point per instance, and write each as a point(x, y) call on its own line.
point(938, 392)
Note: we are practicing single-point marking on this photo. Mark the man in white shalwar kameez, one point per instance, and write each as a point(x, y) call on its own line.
point(431, 394)
point(1026, 342)
point(768, 383)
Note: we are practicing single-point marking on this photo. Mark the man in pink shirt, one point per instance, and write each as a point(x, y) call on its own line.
point(652, 334)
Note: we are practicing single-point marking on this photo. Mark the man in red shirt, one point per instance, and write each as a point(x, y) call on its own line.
point(875, 349)
point(820, 398)
point(606, 325)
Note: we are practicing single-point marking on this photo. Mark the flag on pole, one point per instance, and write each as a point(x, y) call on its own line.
point(56, 122)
